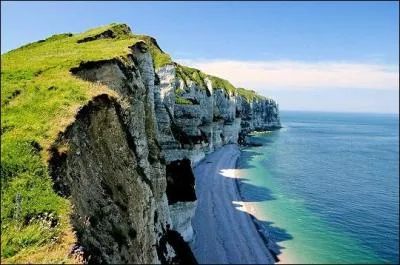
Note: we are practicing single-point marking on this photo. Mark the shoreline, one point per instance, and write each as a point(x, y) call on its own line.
point(283, 257)
point(223, 233)
point(257, 226)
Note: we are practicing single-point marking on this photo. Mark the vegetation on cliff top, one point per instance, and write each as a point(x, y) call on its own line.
point(39, 98)
point(182, 101)
point(248, 94)
point(196, 76)
point(187, 74)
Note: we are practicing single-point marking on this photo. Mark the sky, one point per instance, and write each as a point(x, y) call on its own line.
point(318, 56)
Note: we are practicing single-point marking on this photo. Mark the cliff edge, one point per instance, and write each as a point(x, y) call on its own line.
point(99, 134)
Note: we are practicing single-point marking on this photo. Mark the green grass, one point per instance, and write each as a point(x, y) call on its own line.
point(249, 95)
point(222, 84)
point(39, 98)
point(120, 30)
point(182, 101)
point(160, 58)
point(187, 74)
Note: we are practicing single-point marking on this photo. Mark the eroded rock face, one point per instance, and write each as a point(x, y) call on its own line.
point(126, 162)
point(215, 118)
point(190, 132)
point(259, 115)
point(181, 216)
point(181, 196)
point(110, 193)
point(110, 165)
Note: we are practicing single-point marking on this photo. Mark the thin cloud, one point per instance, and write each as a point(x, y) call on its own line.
point(298, 75)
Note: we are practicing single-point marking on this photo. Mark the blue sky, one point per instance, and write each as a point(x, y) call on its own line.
point(332, 56)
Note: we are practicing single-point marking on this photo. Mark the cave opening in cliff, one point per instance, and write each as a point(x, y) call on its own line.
point(180, 181)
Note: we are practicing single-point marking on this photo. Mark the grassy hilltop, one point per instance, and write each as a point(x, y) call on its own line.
point(39, 98)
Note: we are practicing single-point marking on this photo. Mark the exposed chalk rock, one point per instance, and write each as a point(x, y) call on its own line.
point(125, 162)
point(191, 131)
point(129, 219)
point(147, 212)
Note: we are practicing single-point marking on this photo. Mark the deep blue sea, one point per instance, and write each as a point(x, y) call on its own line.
point(327, 186)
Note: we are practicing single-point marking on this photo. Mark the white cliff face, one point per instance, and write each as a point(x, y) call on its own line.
point(215, 117)
point(191, 131)
point(259, 115)
point(163, 142)
point(164, 103)
point(128, 168)
point(121, 206)
point(181, 215)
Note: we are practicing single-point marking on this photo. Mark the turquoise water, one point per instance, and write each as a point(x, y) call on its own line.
point(327, 186)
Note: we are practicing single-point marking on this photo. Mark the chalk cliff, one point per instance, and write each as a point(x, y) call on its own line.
point(197, 113)
point(125, 161)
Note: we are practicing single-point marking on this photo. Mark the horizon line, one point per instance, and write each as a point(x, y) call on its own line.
point(342, 112)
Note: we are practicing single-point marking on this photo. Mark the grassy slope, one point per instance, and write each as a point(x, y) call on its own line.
point(39, 98)
point(198, 77)
point(249, 95)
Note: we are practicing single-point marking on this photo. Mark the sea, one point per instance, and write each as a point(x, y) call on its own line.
point(326, 186)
